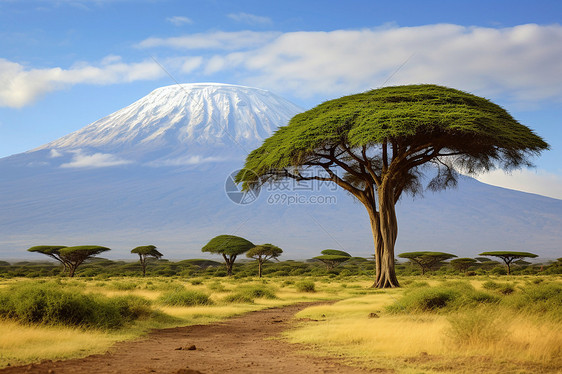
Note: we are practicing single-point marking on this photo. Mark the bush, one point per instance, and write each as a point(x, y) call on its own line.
point(450, 296)
point(306, 286)
point(123, 286)
point(247, 294)
point(476, 327)
point(185, 298)
point(50, 305)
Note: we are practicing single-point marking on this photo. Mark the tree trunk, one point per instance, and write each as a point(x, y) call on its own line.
point(143, 264)
point(229, 263)
point(259, 268)
point(386, 276)
point(71, 270)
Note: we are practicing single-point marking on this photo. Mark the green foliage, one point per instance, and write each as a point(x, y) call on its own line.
point(544, 299)
point(427, 260)
point(247, 294)
point(147, 250)
point(450, 296)
point(305, 286)
point(185, 298)
point(266, 251)
point(228, 245)
point(48, 304)
point(465, 123)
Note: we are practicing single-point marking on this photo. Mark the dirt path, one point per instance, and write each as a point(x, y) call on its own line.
point(238, 345)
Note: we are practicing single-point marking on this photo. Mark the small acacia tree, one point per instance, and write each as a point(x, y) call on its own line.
point(229, 246)
point(51, 251)
point(377, 145)
point(144, 252)
point(262, 253)
point(463, 264)
point(333, 257)
point(75, 256)
point(426, 260)
point(509, 256)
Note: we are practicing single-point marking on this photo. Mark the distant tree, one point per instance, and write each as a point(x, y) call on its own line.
point(463, 264)
point(377, 145)
point(262, 253)
point(426, 260)
point(229, 246)
point(75, 256)
point(333, 257)
point(144, 252)
point(509, 256)
point(52, 251)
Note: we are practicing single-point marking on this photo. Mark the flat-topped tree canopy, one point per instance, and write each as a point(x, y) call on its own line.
point(229, 246)
point(262, 253)
point(147, 250)
point(376, 145)
point(509, 256)
point(47, 249)
point(75, 256)
point(477, 132)
point(427, 259)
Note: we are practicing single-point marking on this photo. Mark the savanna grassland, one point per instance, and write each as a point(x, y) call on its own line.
point(441, 322)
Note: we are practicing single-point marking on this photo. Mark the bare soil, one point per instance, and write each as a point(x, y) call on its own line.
point(244, 344)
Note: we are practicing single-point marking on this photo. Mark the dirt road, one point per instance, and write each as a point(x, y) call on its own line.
point(238, 345)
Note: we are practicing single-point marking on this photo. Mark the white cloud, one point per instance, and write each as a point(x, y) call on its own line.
point(179, 20)
point(520, 63)
point(534, 181)
point(96, 160)
point(20, 86)
point(185, 161)
point(190, 64)
point(214, 40)
point(250, 19)
point(55, 153)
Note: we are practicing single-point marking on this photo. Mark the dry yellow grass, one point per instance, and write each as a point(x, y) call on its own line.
point(22, 344)
point(425, 343)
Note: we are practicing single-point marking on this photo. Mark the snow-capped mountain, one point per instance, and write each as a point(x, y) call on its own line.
point(155, 173)
point(173, 121)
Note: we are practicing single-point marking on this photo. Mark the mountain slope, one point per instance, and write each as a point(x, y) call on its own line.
point(155, 172)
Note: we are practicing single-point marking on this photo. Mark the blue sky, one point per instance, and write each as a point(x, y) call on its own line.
point(67, 63)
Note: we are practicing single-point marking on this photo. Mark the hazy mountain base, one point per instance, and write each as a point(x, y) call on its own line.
point(179, 208)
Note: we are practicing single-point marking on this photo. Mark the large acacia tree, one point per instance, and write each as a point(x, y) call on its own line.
point(377, 146)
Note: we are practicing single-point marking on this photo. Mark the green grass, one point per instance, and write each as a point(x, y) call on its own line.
point(185, 298)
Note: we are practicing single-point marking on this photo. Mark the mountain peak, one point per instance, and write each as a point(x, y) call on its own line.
point(182, 116)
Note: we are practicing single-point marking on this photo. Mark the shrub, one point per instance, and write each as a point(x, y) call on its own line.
point(247, 294)
point(185, 298)
point(123, 286)
point(476, 327)
point(50, 305)
point(451, 296)
point(306, 286)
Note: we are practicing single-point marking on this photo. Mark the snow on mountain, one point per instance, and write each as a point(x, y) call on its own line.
point(202, 114)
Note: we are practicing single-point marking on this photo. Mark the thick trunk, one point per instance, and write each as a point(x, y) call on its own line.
point(71, 270)
point(386, 277)
point(259, 268)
